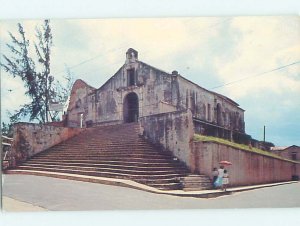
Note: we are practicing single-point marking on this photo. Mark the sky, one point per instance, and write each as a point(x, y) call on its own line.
point(253, 60)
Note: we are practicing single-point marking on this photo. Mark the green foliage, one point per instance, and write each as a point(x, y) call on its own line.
point(7, 129)
point(244, 147)
point(21, 65)
point(40, 85)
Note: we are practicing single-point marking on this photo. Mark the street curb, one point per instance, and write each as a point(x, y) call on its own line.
point(265, 186)
point(138, 186)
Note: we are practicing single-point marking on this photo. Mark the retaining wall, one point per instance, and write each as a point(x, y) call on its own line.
point(247, 168)
point(172, 131)
point(30, 139)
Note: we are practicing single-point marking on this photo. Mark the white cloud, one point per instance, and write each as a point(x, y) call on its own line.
point(215, 49)
point(267, 43)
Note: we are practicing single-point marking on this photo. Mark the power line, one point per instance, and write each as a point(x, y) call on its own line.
point(93, 58)
point(126, 44)
point(180, 98)
point(112, 50)
point(252, 76)
point(212, 25)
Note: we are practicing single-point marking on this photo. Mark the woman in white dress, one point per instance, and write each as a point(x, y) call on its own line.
point(225, 180)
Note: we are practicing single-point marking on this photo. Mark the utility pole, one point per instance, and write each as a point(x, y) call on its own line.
point(264, 134)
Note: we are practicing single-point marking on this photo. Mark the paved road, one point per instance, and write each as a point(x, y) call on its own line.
point(59, 194)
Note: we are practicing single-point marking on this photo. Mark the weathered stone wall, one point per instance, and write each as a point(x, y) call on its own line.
point(79, 104)
point(153, 87)
point(30, 139)
point(172, 131)
point(166, 107)
point(157, 91)
point(247, 168)
point(211, 107)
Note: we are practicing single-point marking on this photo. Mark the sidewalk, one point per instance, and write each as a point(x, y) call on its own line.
point(218, 192)
point(135, 185)
point(13, 205)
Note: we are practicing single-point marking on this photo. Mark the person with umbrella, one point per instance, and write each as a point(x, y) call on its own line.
point(222, 177)
point(219, 181)
point(224, 163)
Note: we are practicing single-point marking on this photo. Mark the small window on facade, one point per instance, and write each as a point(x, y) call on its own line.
point(208, 112)
point(131, 77)
point(168, 96)
point(294, 155)
point(78, 103)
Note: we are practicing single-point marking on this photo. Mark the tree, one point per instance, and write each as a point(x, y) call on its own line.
point(6, 129)
point(41, 86)
point(43, 50)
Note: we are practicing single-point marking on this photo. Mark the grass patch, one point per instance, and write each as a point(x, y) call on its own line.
point(244, 147)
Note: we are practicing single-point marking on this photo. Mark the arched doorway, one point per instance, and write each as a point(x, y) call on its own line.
point(131, 108)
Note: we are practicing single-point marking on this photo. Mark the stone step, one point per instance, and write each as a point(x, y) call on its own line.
point(112, 158)
point(86, 147)
point(106, 155)
point(196, 189)
point(161, 186)
point(121, 175)
point(110, 168)
point(116, 166)
point(103, 156)
point(195, 182)
point(106, 152)
point(110, 162)
point(105, 143)
point(105, 149)
point(115, 151)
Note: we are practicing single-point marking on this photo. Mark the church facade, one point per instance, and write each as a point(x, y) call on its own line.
point(137, 90)
point(147, 118)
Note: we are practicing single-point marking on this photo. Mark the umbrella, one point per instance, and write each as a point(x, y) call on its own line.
point(225, 163)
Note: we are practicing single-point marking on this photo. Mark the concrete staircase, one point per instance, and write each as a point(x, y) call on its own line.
point(114, 151)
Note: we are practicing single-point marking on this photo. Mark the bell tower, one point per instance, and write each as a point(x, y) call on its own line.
point(131, 55)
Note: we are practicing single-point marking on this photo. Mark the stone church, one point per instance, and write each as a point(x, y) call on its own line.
point(140, 126)
point(137, 90)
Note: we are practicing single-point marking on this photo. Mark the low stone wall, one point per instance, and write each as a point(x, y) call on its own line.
point(247, 168)
point(30, 139)
point(172, 131)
